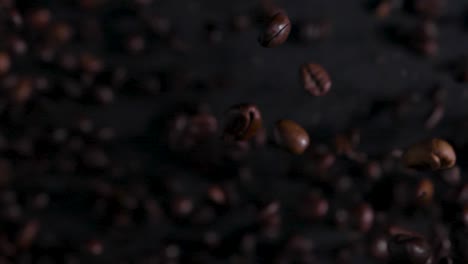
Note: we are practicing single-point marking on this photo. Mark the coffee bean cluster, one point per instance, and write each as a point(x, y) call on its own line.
point(230, 180)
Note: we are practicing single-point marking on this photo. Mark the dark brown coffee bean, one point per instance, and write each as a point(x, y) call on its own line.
point(409, 249)
point(424, 192)
point(5, 63)
point(28, 234)
point(315, 207)
point(435, 154)
point(61, 33)
point(242, 122)
point(39, 18)
point(429, 8)
point(363, 217)
point(424, 38)
point(94, 247)
point(383, 8)
point(277, 31)
point(135, 44)
point(379, 248)
point(315, 79)
point(452, 176)
point(291, 136)
point(17, 45)
point(435, 116)
point(315, 30)
point(22, 92)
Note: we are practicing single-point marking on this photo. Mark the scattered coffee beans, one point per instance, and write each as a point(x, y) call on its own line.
point(435, 154)
point(315, 79)
point(277, 31)
point(291, 136)
point(242, 122)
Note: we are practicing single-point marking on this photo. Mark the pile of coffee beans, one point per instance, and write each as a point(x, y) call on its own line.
point(185, 131)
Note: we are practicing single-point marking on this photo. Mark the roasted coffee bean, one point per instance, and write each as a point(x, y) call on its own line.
point(277, 31)
point(452, 176)
point(429, 8)
point(291, 136)
point(4, 63)
point(424, 192)
point(242, 122)
point(435, 116)
point(363, 217)
point(409, 249)
point(379, 248)
point(315, 79)
point(315, 207)
point(435, 154)
point(424, 38)
point(315, 30)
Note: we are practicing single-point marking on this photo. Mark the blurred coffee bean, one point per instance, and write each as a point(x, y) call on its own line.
point(379, 248)
point(424, 192)
point(276, 31)
point(315, 79)
point(135, 44)
point(429, 8)
point(17, 45)
point(39, 18)
point(435, 154)
point(311, 31)
point(436, 115)
point(363, 217)
point(291, 136)
point(451, 176)
point(314, 207)
point(4, 63)
point(242, 122)
point(28, 234)
point(424, 38)
point(61, 33)
point(409, 249)
point(214, 33)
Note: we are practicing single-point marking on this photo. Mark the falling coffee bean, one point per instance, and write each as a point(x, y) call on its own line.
point(409, 249)
point(291, 136)
point(277, 31)
point(242, 122)
point(315, 79)
point(424, 192)
point(435, 154)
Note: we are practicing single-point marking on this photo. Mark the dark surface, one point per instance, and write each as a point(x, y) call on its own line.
point(368, 69)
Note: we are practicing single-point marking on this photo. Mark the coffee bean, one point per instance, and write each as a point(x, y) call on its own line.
point(452, 176)
point(315, 207)
point(379, 248)
point(242, 122)
point(277, 31)
point(291, 136)
point(424, 38)
point(39, 18)
point(17, 45)
point(4, 63)
point(409, 249)
point(315, 79)
point(429, 8)
point(424, 192)
point(435, 154)
point(363, 217)
point(315, 30)
point(61, 33)
point(435, 116)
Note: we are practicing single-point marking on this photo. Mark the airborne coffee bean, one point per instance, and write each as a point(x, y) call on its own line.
point(435, 154)
point(315, 79)
point(276, 31)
